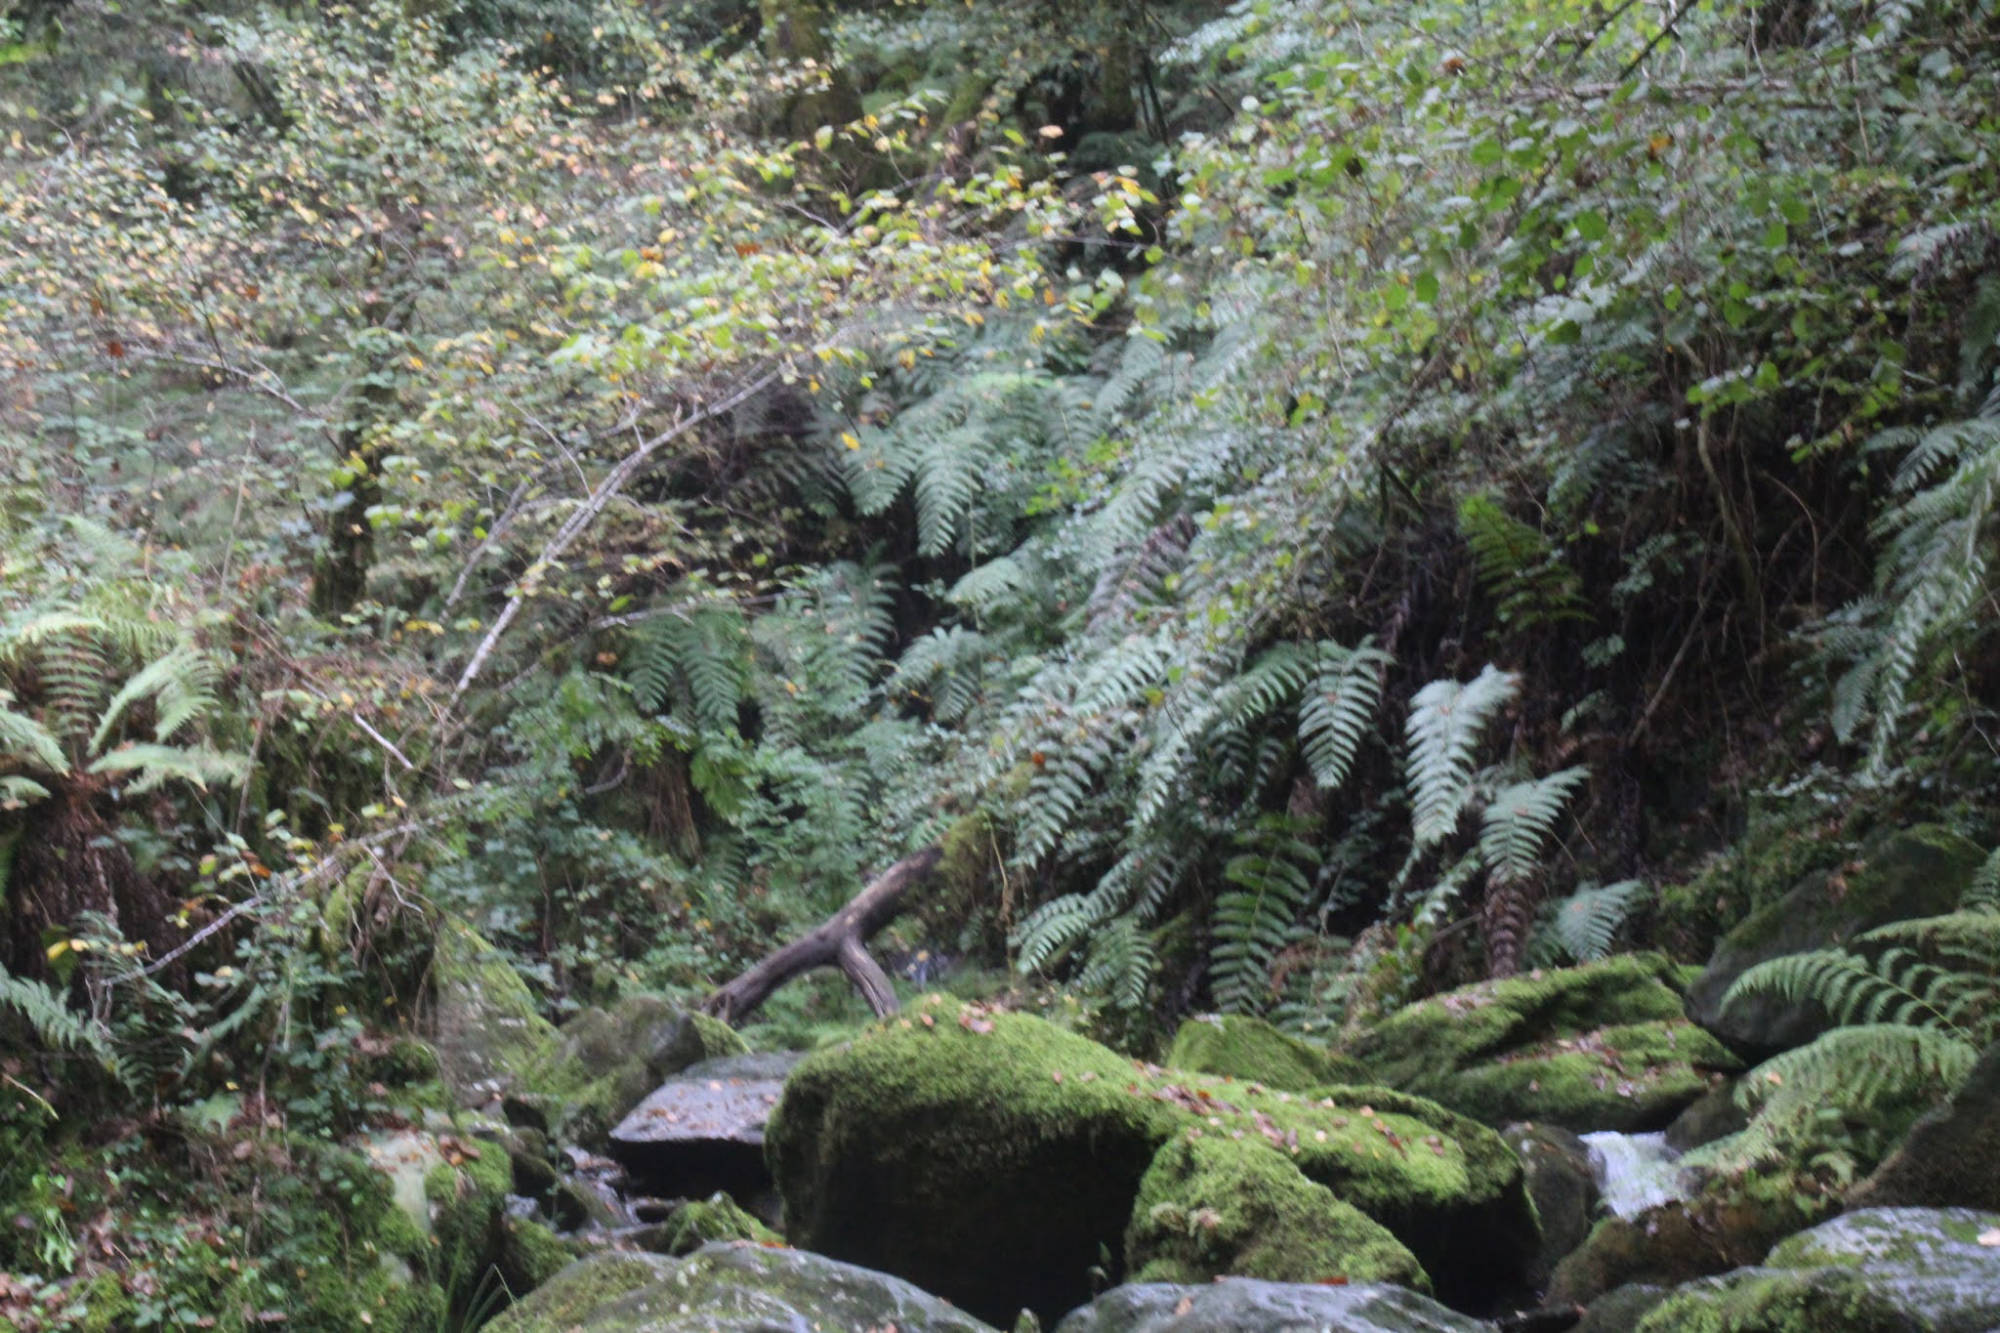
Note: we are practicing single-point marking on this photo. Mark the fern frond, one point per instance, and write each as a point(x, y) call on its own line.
point(156, 764)
point(1337, 706)
point(182, 683)
point(1442, 735)
point(1259, 915)
point(23, 740)
point(55, 1024)
point(1983, 894)
point(1587, 921)
point(1520, 818)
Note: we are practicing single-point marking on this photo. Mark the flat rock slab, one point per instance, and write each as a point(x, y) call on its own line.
point(1248, 1305)
point(703, 1130)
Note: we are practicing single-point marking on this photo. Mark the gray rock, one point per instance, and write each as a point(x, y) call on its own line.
point(703, 1130)
point(1563, 1186)
point(1951, 1156)
point(1714, 1116)
point(1620, 1309)
point(1247, 1305)
point(728, 1288)
point(1878, 1269)
point(1918, 871)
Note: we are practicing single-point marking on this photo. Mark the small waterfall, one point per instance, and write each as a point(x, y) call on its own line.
point(1635, 1171)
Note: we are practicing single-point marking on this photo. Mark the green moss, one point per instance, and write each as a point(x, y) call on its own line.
point(488, 1025)
point(574, 1291)
point(1249, 1048)
point(718, 1217)
point(1777, 1302)
point(1211, 1207)
point(1633, 1077)
point(1596, 1047)
point(534, 1254)
point(1011, 1147)
point(604, 1061)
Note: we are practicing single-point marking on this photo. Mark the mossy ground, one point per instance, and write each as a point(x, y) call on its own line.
point(1212, 1207)
point(952, 1133)
point(1249, 1048)
point(718, 1217)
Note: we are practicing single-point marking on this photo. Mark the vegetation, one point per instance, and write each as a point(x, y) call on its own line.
point(1309, 504)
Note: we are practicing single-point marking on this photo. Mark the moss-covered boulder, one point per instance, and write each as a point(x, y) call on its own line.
point(1563, 1186)
point(1878, 1270)
point(993, 1157)
point(1212, 1207)
point(700, 1222)
point(728, 1288)
point(1249, 1048)
point(1247, 1305)
point(1588, 1048)
point(605, 1061)
point(488, 1031)
point(1915, 872)
point(1731, 1224)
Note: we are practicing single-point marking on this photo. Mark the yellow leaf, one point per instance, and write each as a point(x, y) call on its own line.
point(847, 438)
point(58, 949)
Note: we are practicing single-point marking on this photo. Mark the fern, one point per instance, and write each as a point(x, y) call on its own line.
point(56, 1025)
point(1519, 819)
point(1518, 567)
point(1339, 702)
point(1442, 733)
point(1586, 922)
point(1259, 916)
point(1983, 894)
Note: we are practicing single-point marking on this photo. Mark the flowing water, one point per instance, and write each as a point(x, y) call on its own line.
point(1635, 1171)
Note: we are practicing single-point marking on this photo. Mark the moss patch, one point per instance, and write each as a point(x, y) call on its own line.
point(1776, 1302)
point(718, 1217)
point(1212, 1207)
point(1596, 1047)
point(490, 1034)
point(1250, 1048)
point(988, 1156)
point(572, 1293)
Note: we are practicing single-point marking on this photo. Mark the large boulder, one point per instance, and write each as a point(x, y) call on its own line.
point(703, 1130)
point(1604, 1046)
point(1952, 1154)
point(488, 1032)
point(1878, 1270)
point(1247, 1305)
point(605, 1060)
point(1915, 872)
point(1238, 1046)
point(729, 1288)
point(993, 1157)
point(1563, 1184)
point(1210, 1207)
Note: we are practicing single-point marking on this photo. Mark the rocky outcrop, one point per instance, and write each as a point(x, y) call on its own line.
point(994, 1158)
point(1598, 1047)
point(727, 1288)
point(703, 1130)
point(1878, 1270)
point(1916, 872)
point(1249, 1048)
point(1250, 1306)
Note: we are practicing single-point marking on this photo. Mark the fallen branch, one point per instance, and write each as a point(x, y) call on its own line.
point(840, 941)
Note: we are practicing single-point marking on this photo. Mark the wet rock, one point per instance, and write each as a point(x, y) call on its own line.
point(1563, 1186)
point(1879, 1270)
point(1598, 1047)
point(1247, 1305)
point(703, 1130)
point(1951, 1156)
point(1915, 872)
point(1714, 1115)
point(1250, 1048)
point(995, 1158)
point(728, 1288)
point(1620, 1309)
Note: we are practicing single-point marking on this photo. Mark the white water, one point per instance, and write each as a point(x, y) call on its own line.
point(1634, 1171)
